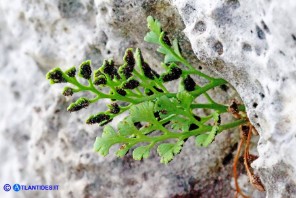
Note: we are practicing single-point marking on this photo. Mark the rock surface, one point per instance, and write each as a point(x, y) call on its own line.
point(41, 143)
point(252, 45)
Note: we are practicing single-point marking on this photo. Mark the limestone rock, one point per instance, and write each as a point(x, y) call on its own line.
point(252, 45)
point(41, 143)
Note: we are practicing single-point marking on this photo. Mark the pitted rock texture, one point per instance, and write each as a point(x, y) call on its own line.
point(252, 45)
point(42, 143)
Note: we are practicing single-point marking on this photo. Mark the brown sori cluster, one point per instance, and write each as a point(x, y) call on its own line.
point(114, 108)
point(101, 80)
point(71, 72)
point(129, 57)
point(148, 72)
point(173, 74)
point(110, 70)
point(127, 69)
point(100, 118)
point(68, 91)
point(131, 84)
point(121, 91)
point(85, 70)
point(78, 105)
point(189, 84)
point(56, 76)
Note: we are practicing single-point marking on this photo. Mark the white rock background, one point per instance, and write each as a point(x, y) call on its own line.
point(252, 44)
point(41, 143)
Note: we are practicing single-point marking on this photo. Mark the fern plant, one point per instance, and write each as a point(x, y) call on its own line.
point(155, 117)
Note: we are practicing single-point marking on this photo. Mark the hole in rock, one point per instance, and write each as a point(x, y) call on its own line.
point(218, 47)
point(255, 104)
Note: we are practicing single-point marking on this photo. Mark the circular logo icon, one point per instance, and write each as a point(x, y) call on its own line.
point(7, 187)
point(16, 187)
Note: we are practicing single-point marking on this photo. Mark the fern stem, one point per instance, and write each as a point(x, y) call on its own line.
point(211, 85)
point(218, 107)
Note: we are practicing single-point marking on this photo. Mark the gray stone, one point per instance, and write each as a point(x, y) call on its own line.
point(258, 59)
point(42, 143)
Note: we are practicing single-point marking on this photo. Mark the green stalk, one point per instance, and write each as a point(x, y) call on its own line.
point(211, 85)
point(218, 107)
